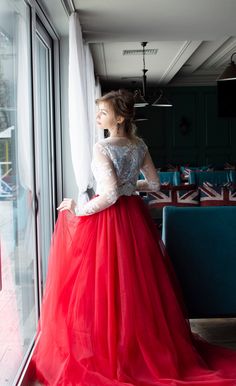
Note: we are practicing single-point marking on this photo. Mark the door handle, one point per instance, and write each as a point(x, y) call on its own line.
point(35, 204)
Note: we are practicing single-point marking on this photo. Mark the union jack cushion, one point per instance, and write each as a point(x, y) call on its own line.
point(217, 195)
point(180, 195)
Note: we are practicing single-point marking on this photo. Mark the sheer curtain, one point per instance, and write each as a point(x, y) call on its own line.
point(82, 109)
point(24, 136)
point(90, 86)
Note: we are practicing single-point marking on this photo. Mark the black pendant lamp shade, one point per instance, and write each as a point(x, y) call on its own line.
point(230, 71)
point(139, 100)
point(162, 101)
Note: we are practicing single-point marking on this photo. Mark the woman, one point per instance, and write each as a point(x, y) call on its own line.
point(112, 313)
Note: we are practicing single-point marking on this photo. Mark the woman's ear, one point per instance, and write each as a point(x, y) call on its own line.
point(120, 119)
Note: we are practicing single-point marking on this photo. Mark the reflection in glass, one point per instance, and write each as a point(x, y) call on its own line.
point(17, 231)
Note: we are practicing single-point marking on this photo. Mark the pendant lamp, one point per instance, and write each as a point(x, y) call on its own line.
point(230, 72)
point(162, 101)
point(139, 100)
point(140, 97)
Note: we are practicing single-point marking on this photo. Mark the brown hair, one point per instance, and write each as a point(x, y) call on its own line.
point(122, 103)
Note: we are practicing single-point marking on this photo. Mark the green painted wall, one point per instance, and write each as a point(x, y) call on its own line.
point(190, 132)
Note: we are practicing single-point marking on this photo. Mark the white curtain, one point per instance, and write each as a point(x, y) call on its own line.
point(81, 108)
point(24, 127)
point(90, 86)
point(24, 138)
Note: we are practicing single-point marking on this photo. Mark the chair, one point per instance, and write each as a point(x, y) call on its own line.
point(172, 178)
point(232, 176)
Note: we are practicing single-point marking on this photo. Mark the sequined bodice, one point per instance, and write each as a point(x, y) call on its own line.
point(116, 164)
point(127, 157)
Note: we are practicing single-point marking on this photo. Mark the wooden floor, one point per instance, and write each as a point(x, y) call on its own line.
point(217, 331)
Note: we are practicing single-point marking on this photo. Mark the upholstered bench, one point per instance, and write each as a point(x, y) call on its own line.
point(214, 177)
point(201, 243)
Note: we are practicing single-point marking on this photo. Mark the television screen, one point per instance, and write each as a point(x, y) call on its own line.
point(226, 95)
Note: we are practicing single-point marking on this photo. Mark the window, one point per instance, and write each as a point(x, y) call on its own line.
point(27, 175)
point(45, 142)
point(18, 300)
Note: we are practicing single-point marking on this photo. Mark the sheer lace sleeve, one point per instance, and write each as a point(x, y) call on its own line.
point(106, 177)
point(152, 180)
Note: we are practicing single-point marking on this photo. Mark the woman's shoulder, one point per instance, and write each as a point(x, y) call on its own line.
point(100, 142)
point(100, 147)
point(105, 143)
point(141, 140)
point(142, 144)
point(109, 140)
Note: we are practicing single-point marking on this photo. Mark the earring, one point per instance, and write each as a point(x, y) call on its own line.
point(118, 127)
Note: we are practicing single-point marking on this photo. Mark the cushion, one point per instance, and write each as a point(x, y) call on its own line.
point(232, 194)
point(172, 178)
point(179, 195)
point(185, 170)
point(217, 195)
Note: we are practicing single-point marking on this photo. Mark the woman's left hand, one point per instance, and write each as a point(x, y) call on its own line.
point(67, 204)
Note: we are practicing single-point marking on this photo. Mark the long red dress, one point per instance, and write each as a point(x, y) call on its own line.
point(112, 313)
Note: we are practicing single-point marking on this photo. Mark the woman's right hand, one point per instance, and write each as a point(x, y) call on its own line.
point(67, 204)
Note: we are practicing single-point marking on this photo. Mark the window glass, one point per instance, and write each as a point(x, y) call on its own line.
point(18, 307)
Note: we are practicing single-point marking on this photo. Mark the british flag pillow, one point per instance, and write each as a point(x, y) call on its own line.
point(232, 194)
point(217, 195)
point(179, 195)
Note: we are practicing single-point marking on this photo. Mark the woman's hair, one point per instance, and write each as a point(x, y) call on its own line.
point(122, 103)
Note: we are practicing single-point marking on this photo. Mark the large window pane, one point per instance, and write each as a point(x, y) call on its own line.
point(18, 311)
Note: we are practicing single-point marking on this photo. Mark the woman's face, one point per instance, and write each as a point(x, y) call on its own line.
point(105, 117)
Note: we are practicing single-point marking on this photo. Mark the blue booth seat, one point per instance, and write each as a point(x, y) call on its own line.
point(201, 244)
point(172, 178)
point(214, 177)
point(232, 176)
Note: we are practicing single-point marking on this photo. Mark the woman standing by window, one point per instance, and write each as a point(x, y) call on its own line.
point(112, 312)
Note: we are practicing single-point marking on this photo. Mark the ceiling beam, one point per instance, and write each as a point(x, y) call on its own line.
point(187, 49)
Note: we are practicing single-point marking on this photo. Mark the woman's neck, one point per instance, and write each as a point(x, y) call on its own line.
point(115, 134)
point(118, 136)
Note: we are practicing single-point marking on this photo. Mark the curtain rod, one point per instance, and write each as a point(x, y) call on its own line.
point(69, 6)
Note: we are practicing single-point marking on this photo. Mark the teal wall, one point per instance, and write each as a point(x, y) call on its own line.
point(190, 132)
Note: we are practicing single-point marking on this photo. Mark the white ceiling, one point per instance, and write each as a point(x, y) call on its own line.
point(194, 38)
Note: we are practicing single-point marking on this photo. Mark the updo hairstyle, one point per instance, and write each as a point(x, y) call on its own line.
point(122, 103)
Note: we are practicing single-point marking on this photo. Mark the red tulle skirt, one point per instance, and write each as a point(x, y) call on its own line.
point(112, 313)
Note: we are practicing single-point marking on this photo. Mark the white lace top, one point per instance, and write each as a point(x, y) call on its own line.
point(116, 165)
